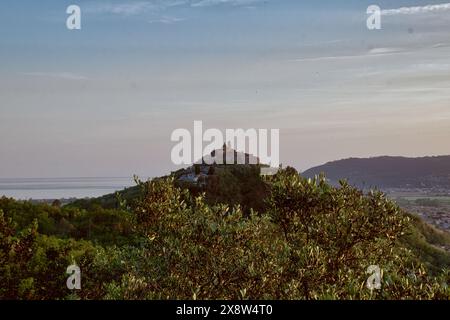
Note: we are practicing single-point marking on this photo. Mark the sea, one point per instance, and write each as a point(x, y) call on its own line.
point(61, 188)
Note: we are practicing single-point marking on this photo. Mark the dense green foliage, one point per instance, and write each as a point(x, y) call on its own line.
point(103, 226)
point(310, 241)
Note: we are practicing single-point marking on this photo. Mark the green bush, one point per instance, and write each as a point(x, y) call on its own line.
point(314, 242)
point(311, 241)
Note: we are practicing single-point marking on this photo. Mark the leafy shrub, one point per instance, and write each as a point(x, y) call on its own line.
point(314, 242)
point(311, 241)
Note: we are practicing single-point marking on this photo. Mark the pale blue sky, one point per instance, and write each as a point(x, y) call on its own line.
point(103, 101)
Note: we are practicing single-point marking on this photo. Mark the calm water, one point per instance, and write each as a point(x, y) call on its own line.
point(58, 188)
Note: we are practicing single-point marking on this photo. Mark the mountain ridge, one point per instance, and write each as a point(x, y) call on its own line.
point(388, 171)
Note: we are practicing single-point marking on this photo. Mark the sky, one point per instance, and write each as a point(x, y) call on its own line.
point(104, 100)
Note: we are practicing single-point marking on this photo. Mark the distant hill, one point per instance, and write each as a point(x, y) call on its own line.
point(388, 172)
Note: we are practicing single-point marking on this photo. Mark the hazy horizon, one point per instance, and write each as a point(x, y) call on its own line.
point(102, 101)
point(144, 178)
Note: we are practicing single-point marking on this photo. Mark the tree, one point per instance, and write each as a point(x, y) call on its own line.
point(56, 203)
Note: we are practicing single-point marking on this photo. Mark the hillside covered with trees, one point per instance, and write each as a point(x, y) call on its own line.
point(294, 238)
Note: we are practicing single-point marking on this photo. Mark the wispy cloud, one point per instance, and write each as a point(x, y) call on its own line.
point(166, 20)
point(371, 53)
point(375, 52)
point(441, 45)
point(208, 3)
point(417, 10)
point(127, 9)
point(158, 6)
point(57, 75)
point(384, 51)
